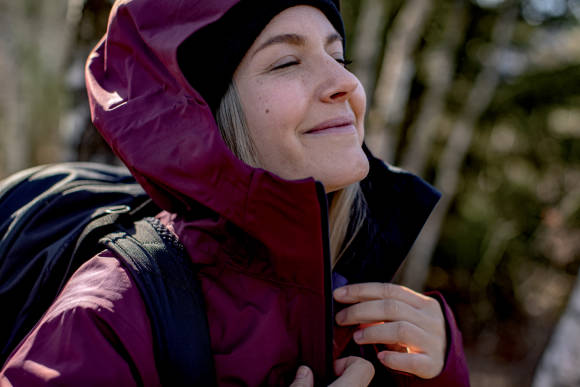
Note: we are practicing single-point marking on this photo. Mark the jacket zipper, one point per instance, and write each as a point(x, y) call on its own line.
point(329, 312)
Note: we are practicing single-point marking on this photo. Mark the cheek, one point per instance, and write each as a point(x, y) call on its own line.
point(270, 113)
point(274, 120)
point(358, 105)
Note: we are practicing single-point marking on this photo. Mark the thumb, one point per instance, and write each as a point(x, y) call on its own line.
point(304, 378)
point(353, 371)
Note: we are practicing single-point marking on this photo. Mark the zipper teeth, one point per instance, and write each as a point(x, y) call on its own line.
point(166, 235)
point(329, 313)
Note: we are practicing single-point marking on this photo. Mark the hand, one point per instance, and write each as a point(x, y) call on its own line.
point(399, 318)
point(352, 371)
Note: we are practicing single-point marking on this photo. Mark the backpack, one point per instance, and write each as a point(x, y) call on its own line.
point(54, 218)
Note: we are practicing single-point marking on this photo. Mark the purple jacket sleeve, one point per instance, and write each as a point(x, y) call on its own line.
point(83, 340)
point(455, 372)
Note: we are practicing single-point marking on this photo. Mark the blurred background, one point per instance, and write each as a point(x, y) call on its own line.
point(479, 97)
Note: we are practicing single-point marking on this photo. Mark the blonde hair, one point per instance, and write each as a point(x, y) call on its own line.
point(347, 207)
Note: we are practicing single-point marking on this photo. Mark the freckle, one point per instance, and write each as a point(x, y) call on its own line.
point(267, 111)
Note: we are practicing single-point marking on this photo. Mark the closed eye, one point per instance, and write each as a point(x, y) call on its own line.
point(285, 65)
point(344, 62)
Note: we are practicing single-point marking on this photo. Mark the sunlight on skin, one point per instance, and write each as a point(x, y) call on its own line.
point(390, 347)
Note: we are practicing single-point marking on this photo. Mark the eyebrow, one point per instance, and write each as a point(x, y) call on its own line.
point(294, 40)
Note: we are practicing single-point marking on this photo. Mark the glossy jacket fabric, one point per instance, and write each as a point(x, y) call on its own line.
point(260, 243)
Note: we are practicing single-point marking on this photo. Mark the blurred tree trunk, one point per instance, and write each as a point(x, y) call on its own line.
point(34, 53)
point(396, 74)
point(449, 167)
point(440, 66)
point(559, 364)
point(368, 40)
point(13, 140)
point(14, 136)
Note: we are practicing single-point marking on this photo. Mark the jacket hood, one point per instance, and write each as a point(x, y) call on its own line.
point(164, 131)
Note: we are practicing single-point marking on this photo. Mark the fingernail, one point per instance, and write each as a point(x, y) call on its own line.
point(302, 372)
point(358, 335)
point(340, 292)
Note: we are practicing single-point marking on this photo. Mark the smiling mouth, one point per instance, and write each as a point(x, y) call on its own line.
point(332, 126)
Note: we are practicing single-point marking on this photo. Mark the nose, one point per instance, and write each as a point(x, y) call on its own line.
point(339, 83)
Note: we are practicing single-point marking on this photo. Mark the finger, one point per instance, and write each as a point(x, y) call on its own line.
point(304, 378)
point(400, 332)
point(353, 371)
point(368, 291)
point(382, 310)
point(414, 363)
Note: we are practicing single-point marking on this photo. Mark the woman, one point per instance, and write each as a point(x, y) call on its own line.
point(251, 214)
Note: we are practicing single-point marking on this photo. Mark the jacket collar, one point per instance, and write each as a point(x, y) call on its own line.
point(398, 205)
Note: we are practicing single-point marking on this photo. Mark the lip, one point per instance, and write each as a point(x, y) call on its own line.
point(338, 123)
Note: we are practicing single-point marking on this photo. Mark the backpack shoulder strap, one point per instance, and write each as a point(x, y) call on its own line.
point(43, 211)
point(171, 291)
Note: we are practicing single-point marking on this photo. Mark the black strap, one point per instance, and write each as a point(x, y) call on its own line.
point(105, 221)
point(172, 293)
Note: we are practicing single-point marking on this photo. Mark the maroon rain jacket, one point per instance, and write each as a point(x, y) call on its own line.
point(260, 243)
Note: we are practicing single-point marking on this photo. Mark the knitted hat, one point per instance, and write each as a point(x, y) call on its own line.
point(210, 56)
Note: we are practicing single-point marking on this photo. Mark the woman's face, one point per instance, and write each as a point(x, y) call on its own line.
point(304, 109)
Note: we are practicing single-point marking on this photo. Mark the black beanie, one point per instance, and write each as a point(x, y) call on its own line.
point(210, 56)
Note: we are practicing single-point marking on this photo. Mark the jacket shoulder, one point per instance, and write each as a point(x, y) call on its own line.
point(96, 330)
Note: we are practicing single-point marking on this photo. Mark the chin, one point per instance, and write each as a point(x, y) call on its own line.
point(353, 173)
